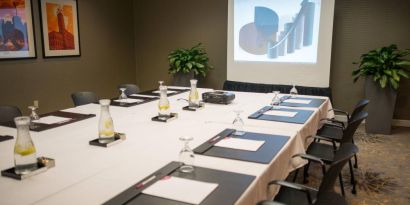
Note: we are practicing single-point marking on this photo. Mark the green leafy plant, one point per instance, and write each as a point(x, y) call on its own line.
point(385, 66)
point(194, 59)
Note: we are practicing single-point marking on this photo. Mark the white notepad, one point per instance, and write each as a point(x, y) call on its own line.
point(168, 91)
point(129, 100)
point(179, 189)
point(52, 120)
point(242, 144)
point(145, 96)
point(281, 113)
point(298, 101)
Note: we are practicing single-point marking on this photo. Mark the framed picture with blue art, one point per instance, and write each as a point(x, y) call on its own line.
point(17, 39)
point(59, 28)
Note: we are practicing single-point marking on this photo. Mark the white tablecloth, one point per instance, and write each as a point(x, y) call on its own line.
point(86, 174)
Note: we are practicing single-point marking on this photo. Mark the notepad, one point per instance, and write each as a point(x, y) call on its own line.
point(180, 189)
point(144, 96)
point(298, 101)
point(52, 120)
point(281, 113)
point(242, 144)
point(168, 91)
point(129, 100)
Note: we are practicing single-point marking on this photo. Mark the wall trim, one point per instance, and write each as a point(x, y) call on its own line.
point(395, 122)
point(401, 123)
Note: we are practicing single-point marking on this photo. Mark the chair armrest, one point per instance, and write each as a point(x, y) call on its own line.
point(295, 186)
point(324, 138)
point(333, 121)
point(335, 125)
point(268, 202)
point(341, 112)
point(309, 157)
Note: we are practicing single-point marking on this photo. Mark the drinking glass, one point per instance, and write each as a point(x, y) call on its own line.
point(275, 100)
point(238, 123)
point(186, 156)
point(33, 116)
point(293, 92)
point(123, 97)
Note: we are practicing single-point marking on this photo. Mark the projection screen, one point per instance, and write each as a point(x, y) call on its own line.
point(280, 41)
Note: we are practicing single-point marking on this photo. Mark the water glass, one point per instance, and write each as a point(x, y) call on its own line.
point(186, 156)
point(238, 123)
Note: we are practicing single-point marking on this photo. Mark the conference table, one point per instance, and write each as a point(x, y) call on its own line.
point(87, 174)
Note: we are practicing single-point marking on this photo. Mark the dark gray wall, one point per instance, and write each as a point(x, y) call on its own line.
point(359, 26)
point(108, 59)
point(164, 25)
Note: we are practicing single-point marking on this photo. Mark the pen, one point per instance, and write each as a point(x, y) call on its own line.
point(215, 138)
point(142, 184)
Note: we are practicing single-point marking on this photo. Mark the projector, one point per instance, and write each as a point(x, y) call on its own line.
point(218, 97)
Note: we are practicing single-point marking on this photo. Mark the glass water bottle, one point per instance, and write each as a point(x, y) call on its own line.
point(193, 95)
point(163, 103)
point(106, 125)
point(25, 159)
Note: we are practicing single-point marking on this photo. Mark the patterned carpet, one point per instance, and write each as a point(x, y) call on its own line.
point(383, 176)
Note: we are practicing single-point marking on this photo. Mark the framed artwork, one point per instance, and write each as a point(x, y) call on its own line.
point(59, 28)
point(17, 39)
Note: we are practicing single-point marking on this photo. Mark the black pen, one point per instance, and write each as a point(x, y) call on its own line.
point(142, 184)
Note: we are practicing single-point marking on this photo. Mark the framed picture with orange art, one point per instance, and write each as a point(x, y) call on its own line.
point(17, 39)
point(59, 28)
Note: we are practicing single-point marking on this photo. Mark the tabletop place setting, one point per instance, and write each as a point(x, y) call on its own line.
point(171, 183)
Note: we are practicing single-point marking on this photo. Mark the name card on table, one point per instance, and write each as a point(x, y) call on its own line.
point(298, 101)
point(241, 144)
point(281, 113)
point(129, 100)
point(51, 119)
point(180, 189)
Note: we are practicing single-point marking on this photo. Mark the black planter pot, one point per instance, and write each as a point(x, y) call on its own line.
point(182, 79)
point(380, 108)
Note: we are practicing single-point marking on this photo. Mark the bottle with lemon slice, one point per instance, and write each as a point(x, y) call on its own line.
point(193, 95)
point(106, 126)
point(25, 159)
point(163, 103)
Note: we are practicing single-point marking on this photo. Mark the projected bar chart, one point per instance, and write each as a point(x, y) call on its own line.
point(274, 37)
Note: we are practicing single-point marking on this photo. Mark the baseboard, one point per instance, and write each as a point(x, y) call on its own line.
point(401, 123)
point(395, 122)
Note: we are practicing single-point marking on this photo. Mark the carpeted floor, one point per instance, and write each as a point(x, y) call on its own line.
point(383, 176)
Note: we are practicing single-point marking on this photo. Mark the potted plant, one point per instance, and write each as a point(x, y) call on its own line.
point(383, 69)
point(186, 64)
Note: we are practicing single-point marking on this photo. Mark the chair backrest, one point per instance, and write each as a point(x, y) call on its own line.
point(342, 155)
point(359, 107)
point(82, 98)
point(130, 88)
point(8, 113)
point(352, 126)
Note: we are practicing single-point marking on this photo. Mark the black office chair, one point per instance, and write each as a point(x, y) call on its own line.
point(8, 113)
point(82, 98)
point(325, 153)
point(333, 129)
point(297, 194)
point(357, 109)
point(130, 88)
